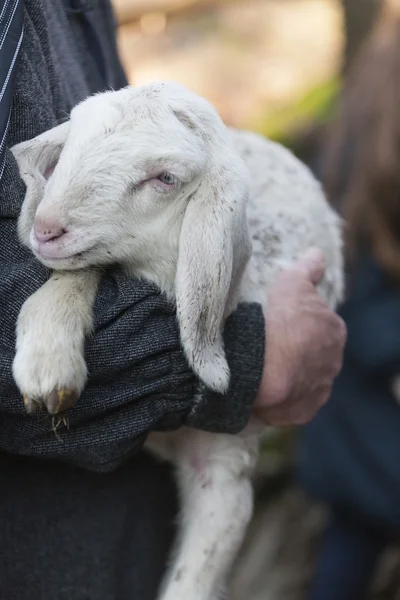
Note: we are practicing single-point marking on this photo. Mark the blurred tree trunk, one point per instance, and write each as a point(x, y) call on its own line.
point(359, 16)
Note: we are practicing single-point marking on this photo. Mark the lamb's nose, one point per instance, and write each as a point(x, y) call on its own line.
point(46, 230)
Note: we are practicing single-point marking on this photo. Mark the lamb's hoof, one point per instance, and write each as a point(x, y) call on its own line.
point(33, 406)
point(58, 401)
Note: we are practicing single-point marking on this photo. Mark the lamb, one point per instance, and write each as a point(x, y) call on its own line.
point(151, 179)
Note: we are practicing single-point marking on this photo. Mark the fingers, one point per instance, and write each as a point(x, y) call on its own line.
point(312, 263)
point(341, 343)
point(305, 342)
point(336, 337)
point(342, 331)
point(297, 414)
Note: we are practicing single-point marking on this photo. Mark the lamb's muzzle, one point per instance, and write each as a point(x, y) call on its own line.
point(47, 230)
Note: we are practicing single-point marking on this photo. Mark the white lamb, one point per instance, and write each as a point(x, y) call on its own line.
point(151, 179)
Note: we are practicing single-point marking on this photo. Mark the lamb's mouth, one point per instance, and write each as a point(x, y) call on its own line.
point(72, 260)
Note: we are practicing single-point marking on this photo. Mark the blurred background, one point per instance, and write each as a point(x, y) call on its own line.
point(276, 67)
point(269, 65)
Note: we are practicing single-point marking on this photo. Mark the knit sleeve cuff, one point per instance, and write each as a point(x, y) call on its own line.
point(244, 338)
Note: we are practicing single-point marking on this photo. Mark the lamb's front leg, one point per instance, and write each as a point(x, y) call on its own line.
point(214, 474)
point(49, 366)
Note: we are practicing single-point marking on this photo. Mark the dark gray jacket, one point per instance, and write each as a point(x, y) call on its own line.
point(69, 533)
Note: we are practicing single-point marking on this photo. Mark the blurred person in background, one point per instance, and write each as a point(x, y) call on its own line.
point(349, 455)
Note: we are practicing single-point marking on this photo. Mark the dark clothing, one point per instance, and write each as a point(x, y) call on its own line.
point(67, 533)
point(11, 36)
point(346, 560)
point(71, 534)
point(349, 452)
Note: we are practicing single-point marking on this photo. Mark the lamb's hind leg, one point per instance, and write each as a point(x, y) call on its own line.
point(216, 504)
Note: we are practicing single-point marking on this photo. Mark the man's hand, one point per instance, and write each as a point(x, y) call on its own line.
point(305, 342)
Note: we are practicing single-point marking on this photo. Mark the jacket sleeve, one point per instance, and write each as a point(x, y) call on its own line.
point(139, 380)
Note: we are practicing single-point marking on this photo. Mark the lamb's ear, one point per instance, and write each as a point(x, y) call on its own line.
point(36, 160)
point(214, 248)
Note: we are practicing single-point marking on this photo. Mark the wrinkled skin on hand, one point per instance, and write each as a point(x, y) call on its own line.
point(305, 343)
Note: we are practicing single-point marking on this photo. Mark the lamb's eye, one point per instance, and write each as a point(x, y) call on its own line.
point(167, 179)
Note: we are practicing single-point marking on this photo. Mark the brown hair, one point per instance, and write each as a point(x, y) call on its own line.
point(362, 176)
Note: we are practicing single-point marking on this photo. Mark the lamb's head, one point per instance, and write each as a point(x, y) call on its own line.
point(145, 177)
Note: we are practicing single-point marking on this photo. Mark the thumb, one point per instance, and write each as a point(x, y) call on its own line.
point(312, 263)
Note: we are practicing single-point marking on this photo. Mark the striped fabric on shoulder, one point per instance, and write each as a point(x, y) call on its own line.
point(11, 34)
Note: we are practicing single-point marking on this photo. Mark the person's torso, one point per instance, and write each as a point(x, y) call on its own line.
point(68, 53)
